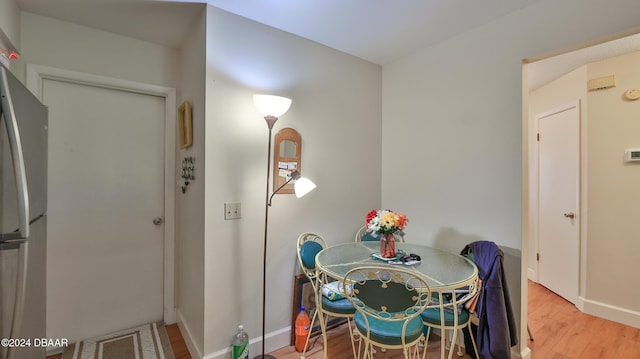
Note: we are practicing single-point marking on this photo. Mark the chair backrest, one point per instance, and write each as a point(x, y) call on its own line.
point(386, 293)
point(364, 234)
point(308, 245)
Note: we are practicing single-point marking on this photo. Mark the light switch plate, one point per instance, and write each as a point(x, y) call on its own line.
point(232, 210)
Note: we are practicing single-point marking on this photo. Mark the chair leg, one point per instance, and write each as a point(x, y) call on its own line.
point(443, 342)
point(424, 350)
point(411, 352)
point(323, 328)
point(473, 341)
point(460, 353)
point(306, 343)
point(368, 351)
point(453, 343)
point(426, 342)
point(353, 339)
point(361, 344)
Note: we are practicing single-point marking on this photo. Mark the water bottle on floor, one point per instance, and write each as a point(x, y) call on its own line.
point(241, 344)
point(302, 327)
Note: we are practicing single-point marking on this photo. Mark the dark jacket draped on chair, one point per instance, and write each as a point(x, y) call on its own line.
point(497, 331)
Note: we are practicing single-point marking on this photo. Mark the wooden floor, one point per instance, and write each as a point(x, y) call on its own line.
point(560, 331)
point(340, 348)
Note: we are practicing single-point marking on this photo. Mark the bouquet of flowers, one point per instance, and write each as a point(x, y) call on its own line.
point(386, 221)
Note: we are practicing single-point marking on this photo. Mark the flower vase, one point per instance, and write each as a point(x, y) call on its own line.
point(387, 246)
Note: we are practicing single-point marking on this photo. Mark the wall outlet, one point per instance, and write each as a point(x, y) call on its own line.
point(232, 211)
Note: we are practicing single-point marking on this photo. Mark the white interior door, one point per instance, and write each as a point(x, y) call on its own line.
point(106, 185)
point(558, 241)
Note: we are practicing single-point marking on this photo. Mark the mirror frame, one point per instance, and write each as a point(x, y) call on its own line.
point(185, 126)
point(285, 163)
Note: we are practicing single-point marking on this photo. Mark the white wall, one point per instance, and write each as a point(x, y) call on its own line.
point(336, 110)
point(190, 212)
point(50, 42)
point(613, 197)
point(452, 120)
point(9, 25)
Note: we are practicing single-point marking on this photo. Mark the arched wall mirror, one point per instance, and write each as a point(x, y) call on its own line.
point(288, 147)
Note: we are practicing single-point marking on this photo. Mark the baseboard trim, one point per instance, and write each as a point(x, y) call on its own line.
point(187, 336)
point(610, 312)
point(274, 340)
point(525, 353)
point(531, 274)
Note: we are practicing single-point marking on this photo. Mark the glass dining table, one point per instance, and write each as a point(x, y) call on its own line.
point(442, 270)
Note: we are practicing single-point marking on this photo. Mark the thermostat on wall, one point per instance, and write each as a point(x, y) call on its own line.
point(632, 155)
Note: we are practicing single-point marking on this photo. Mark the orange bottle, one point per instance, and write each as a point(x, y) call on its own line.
point(302, 327)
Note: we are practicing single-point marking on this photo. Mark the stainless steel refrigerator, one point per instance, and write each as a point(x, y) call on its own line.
point(23, 205)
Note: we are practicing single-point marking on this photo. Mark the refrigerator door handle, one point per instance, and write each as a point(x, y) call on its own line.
point(18, 161)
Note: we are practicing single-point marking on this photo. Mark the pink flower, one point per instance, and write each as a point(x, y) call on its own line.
point(386, 221)
point(402, 220)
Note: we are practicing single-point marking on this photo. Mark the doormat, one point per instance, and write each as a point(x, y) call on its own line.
point(149, 341)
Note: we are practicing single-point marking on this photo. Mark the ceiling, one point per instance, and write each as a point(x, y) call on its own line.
point(543, 71)
point(379, 31)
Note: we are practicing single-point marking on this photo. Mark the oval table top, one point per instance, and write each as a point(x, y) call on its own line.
point(441, 269)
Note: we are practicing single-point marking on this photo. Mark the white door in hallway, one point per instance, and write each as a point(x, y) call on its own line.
point(558, 193)
point(106, 185)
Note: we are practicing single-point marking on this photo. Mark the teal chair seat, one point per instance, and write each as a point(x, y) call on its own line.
point(340, 306)
point(432, 316)
point(385, 332)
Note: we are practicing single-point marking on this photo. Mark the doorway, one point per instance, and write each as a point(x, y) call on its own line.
point(594, 294)
point(558, 193)
point(110, 256)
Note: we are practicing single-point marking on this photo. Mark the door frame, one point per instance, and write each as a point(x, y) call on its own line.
point(579, 197)
point(530, 194)
point(36, 74)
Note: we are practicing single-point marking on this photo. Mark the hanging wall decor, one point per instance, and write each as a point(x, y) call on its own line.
point(185, 129)
point(288, 150)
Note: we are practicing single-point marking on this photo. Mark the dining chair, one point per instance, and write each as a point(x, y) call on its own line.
point(365, 234)
point(388, 304)
point(447, 312)
point(308, 245)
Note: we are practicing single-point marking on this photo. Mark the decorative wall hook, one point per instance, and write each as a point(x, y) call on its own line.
point(188, 172)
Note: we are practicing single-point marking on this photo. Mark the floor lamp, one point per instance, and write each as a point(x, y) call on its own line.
point(272, 107)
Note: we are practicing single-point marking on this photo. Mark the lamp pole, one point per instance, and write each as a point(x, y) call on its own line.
point(271, 120)
point(271, 107)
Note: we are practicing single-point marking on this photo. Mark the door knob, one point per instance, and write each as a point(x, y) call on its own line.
point(570, 215)
point(157, 221)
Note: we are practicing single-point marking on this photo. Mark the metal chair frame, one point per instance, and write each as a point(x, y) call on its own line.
point(459, 296)
point(317, 279)
point(381, 307)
